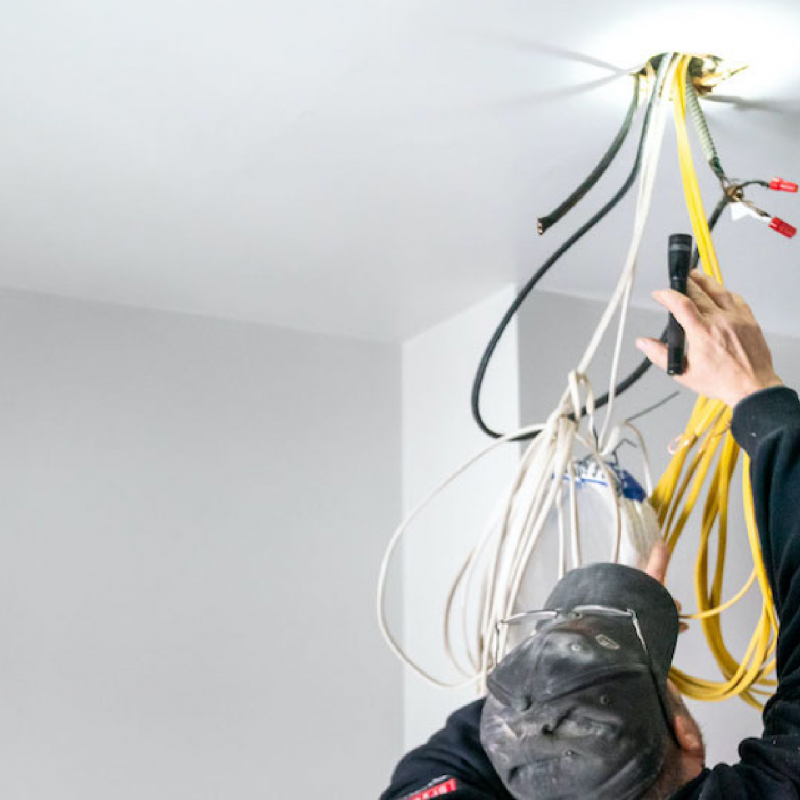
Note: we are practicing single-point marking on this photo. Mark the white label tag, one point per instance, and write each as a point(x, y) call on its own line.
point(738, 211)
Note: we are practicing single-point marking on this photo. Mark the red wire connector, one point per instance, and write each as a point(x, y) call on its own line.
point(783, 228)
point(780, 185)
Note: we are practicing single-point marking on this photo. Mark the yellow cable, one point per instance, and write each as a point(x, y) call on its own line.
point(717, 610)
point(680, 488)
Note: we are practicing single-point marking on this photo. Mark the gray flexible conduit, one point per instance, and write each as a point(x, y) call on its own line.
point(703, 134)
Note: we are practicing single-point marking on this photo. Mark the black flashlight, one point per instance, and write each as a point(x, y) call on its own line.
point(680, 260)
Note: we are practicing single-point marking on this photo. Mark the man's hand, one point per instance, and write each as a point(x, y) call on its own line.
point(656, 568)
point(727, 356)
point(658, 562)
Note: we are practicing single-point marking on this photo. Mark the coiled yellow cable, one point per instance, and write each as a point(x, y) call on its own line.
point(679, 489)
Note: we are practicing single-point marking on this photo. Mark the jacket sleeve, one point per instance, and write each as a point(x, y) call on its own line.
point(767, 426)
point(451, 764)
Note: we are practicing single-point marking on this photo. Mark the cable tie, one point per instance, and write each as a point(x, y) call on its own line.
point(780, 185)
point(783, 228)
point(678, 443)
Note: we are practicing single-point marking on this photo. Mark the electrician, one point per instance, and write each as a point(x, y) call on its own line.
point(582, 707)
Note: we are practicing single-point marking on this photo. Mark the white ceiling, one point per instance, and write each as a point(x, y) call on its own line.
point(365, 167)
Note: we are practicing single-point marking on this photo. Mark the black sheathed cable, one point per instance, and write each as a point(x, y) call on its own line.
point(645, 364)
point(486, 358)
point(543, 223)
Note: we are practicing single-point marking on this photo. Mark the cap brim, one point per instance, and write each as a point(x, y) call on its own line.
point(621, 587)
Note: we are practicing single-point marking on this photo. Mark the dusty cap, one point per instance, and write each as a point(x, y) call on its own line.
point(578, 708)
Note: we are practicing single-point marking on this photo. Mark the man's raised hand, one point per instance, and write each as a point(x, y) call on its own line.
point(727, 356)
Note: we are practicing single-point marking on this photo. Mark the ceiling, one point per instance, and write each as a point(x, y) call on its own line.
point(365, 167)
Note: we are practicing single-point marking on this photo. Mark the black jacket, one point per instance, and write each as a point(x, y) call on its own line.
point(767, 425)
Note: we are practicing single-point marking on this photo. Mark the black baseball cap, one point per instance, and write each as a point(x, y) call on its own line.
point(578, 708)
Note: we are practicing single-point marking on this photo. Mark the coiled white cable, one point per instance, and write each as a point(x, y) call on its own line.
point(500, 558)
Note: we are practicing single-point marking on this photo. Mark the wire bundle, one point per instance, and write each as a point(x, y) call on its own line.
point(487, 586)
point(497, 563)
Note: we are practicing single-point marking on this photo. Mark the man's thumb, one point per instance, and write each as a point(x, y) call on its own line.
point(658, 562)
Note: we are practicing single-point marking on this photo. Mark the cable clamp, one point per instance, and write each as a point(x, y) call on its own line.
point(678, 443)
point(734, 192)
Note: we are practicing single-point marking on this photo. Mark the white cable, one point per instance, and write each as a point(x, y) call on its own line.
point(509, 543)
point(649, 169)
point(622, 293)
point(574, 522)
point(648, 475)
point(395, 540)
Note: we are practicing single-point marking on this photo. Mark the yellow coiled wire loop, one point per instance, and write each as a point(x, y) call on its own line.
point(707, 439)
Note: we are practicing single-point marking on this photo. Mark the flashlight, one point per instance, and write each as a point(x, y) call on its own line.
point(680, 259)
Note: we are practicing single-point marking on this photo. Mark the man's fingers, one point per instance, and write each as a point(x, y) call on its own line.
point(658, 562)
point(654, 350)
point(657, 568)
point(705, 303)
point(715, 291)
point(657, 352)
point(682, 626)
point(681, 307)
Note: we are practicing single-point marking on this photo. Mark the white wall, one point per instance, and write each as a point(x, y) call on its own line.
point(191, 517)
point(439, 434)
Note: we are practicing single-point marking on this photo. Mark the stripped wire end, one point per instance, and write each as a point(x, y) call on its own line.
point(706, 72)
point(709, 74)
point(540, 226)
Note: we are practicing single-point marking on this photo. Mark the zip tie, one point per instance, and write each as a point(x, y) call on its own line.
point(678, 443)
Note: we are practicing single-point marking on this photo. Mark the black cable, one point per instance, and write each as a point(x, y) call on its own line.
point(542, 271)
point(645, 364)
point(543, 223)
point(731, 195)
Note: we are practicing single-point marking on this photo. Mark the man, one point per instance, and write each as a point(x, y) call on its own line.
point(580, 707)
